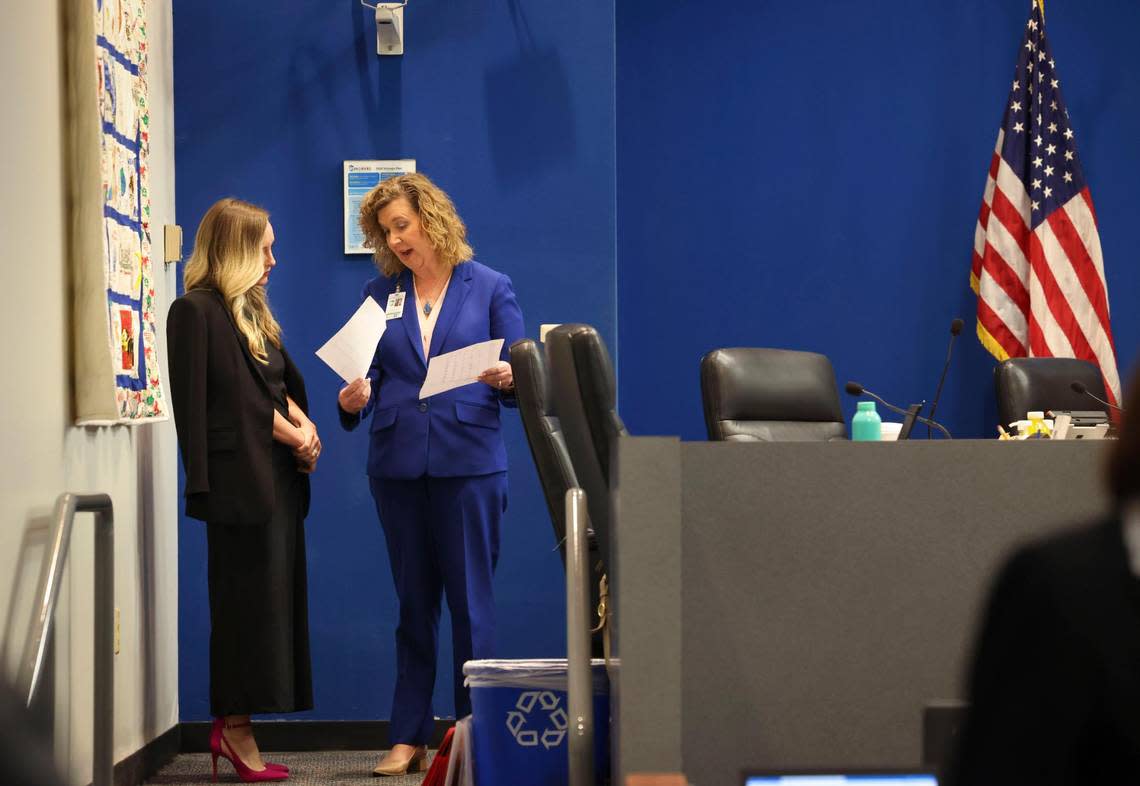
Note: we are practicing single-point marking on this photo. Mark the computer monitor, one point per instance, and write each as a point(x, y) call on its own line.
point(839, 777)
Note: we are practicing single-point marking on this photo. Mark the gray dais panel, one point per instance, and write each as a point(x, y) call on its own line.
point(647, 624)
point(829, 590)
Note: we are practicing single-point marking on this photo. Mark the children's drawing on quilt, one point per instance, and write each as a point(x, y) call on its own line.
point(126, 259)
point(107, 94)
point(125, 335)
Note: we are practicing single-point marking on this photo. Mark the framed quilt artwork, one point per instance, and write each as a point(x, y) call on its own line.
point(115, 362)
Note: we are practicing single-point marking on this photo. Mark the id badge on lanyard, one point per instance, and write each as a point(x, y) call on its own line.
point(395, 308)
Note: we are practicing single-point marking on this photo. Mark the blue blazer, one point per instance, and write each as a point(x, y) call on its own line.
point(451, 434)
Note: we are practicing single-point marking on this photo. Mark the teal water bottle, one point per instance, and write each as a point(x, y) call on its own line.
point(866, 426)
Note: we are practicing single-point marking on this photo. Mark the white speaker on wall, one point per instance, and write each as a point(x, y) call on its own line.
point(389, 27)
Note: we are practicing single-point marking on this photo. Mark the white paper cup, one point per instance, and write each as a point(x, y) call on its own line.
point(890, 432)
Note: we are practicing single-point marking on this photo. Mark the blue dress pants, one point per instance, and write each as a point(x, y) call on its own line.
point(443, 536)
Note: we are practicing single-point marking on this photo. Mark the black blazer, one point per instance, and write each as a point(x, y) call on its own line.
point(223, 411)
point(1055, 685)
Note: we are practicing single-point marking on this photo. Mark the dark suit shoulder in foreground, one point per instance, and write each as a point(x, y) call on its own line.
point(1055, 683)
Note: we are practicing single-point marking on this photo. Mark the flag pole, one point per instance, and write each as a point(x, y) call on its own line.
point(1041, 5)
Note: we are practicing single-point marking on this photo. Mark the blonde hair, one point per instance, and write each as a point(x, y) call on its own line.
point(227, 257)
point(441, 223)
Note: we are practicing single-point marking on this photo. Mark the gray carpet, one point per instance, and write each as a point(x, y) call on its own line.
point(326, 767)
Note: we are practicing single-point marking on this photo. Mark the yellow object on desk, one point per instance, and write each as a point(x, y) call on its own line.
point(1037, 426)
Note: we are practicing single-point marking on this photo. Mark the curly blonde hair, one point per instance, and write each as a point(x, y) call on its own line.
point(227, 257)
point(443, 226)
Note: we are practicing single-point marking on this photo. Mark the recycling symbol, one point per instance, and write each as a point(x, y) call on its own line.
point(543, 707)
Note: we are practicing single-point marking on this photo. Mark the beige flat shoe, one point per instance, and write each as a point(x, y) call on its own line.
point(417, 761)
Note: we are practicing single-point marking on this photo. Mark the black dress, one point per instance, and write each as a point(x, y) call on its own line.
point(259, 619)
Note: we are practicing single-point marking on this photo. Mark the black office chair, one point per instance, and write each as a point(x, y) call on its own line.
point(582, 377)
point(543, 432)
point(1027, 384)
point(770, 395)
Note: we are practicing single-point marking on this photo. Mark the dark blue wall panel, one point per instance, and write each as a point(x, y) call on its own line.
point(808, 176)
point(509, 106)
point(787, 174)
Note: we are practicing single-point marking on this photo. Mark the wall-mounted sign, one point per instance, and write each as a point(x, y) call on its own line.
point(360, 177)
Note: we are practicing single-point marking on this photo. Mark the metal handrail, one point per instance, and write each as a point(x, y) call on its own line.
point(579, 673)
point(32, 666)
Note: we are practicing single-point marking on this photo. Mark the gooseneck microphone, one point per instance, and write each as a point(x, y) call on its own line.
point(855, 389)
point(955, 329)
point(1080, 387)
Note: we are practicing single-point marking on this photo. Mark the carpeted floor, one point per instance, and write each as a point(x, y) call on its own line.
point(326, 767)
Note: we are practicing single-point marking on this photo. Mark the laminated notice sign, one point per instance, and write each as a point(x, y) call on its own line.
point(360, 177)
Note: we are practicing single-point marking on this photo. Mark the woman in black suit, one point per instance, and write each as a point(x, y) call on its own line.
point(1055, 684)
point(248, 447)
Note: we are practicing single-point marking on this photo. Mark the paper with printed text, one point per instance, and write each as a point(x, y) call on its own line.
point(461, 367)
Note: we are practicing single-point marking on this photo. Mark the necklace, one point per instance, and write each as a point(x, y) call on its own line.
point(427, 306)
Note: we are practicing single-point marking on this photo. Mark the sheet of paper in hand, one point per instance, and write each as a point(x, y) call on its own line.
point(461, 367)
point(349, 352)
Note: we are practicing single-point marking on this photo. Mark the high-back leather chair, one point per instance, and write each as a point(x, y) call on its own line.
point(543, 431)
point(770, 395)
point(548, 449)
point(582, 376)
point(1027, 384)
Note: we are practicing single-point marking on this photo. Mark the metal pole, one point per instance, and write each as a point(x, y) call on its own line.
point(50, 577)
point(580, 690)
point(103, 765)
point(31, 670)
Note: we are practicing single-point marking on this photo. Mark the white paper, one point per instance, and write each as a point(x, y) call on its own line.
point(349, 352)
point(461, 367)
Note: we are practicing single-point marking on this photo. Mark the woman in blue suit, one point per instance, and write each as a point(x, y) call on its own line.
point(437, 466)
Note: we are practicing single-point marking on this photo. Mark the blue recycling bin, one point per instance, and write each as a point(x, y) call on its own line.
point(520, 724)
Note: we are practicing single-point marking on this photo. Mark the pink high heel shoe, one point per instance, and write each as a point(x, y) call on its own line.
point(218, 748)
point(216, 731)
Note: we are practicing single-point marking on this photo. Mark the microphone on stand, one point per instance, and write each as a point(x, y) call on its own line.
point(955, 329)
point(1079, 387)
point(855, 389)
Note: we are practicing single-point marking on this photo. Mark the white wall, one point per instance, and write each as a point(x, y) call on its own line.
point(41, 454)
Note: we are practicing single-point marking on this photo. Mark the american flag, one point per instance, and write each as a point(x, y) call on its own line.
point(1037, 269)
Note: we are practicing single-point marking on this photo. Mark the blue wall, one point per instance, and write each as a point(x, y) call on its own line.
point(808, 176)
point(509, 106)
point(795, 175)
